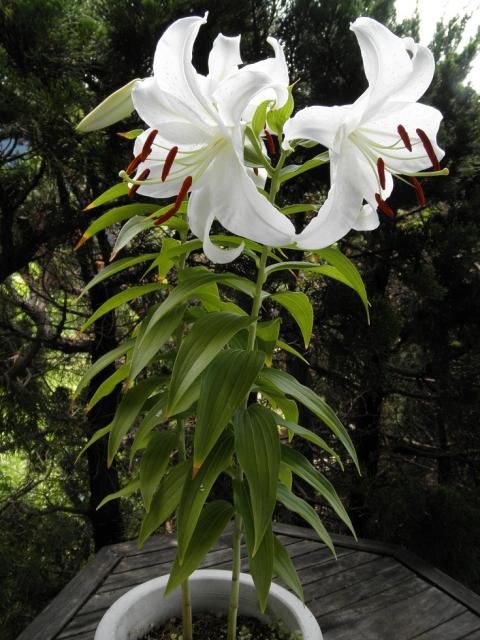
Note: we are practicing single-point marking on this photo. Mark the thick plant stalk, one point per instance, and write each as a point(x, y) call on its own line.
point(256, 304)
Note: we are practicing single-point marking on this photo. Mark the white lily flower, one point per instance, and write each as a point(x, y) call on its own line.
point(195, 140)
point(384, 133)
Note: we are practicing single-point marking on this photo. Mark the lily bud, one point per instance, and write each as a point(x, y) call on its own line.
point(116, 107)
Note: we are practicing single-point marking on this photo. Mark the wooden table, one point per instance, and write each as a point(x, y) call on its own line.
point(373, 591)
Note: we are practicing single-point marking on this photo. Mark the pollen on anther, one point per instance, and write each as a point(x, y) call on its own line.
point(381, 172)
point(168, 162)
point(384, 207)
point(402, 132)
point(184, 189)
point(270, 142)
point(134, 188)
point(420, 193)
point(134, 164)
point(147, 147)
point(427, 145)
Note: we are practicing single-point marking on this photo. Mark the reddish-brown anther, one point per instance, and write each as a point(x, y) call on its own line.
point(384, 207)
point(134, 188)
point(168, 162)
point(134, 164)
point(420, 193)
point(187, 183)
point(147, 147)
point(427, 145)
point(381, 172)
point(402, 132)
point(270, 142)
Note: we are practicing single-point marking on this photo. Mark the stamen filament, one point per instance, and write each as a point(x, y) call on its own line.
point(184, 189)
point(384, 207)
point(427, 145)
point(402, 132)
point(168, 162)
point(134, 188)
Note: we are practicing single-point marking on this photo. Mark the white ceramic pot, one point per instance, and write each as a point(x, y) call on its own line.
point(145, 607)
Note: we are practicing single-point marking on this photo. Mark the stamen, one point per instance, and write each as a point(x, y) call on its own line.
point(270, 142)
point(402, 132)
point(147, 147)
point(187, 183)
point(381, 172)
point(168, 162)
point(384, 207)
point(134, 188)
point(255, 170)
point(427, 145)
point(134, 164)
point(420, 193)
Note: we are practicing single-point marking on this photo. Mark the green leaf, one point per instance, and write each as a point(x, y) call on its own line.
point(299, 208)
point(153, 417)
point(154, 463)
point(107, 386)
point(113, 193)
point(305, 511)
point(96, 436)
point(147, 345)
point(207, 337)
point(124, 492)
point(289, 349)
point(285, 475)
point(113, 216)
point(101, 363)
point(257, 446)
point(261, 564)
point(196, 491)
point(120, 298)
point(287, 384)
point(294, 170)
point(225, 385)
point(130, 135)
point(116, 267)
point(300, 308)
point(308, 435)
point(127, 411)
point(346, 267)
point(284, 568)
point(130, 230)
point(276, 118)
point(303, 469)
point(211, 523)
point(164, 501)
point(267, 336)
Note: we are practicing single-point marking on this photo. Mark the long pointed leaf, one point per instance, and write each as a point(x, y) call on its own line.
point(284, 568)
point(212, 522)
point(124, 492)
point(300, 308)
point(196, 491)
point(225, 386)
point(206, 338)
point(154, 463)
point(101, 363)
point(257, 446)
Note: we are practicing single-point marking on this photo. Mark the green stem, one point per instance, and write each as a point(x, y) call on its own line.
point(187, 624)
point(238, 525)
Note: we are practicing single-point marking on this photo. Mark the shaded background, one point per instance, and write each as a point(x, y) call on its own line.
point(406, 386)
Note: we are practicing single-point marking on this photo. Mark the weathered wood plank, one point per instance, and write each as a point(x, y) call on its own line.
point(472, 636)
point(62, 608)
point(453, 629)
point(405, 618)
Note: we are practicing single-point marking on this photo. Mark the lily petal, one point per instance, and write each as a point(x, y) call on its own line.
point(392, 74)
point(367, 220)
point(223, 60)
point(201, 219)
point(316, 123)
